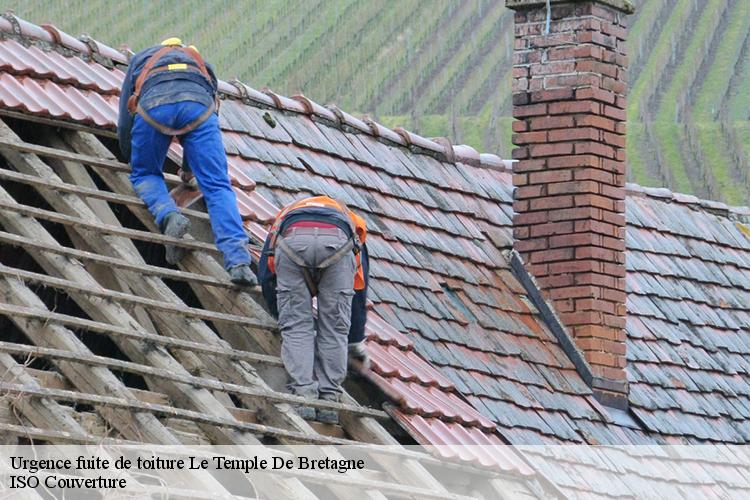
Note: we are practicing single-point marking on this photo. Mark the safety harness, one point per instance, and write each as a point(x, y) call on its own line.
point(309, 271)
point(353, 244)
point(149, 70)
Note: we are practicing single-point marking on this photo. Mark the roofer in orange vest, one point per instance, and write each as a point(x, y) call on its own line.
point(169, 91)
point(316, 248)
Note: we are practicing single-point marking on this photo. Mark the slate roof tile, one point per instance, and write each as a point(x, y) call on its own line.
point(696, 319)
point(342, 147)
point(511, 415)
point(360, 151)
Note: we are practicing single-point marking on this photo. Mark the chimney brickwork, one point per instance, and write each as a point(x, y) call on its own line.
point(569, 91)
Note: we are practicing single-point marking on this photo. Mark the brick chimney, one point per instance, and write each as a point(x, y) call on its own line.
point(569, 91)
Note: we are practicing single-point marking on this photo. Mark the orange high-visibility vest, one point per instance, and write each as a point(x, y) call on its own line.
point(356, 223)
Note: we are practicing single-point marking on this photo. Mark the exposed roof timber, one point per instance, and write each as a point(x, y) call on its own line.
point(58, 123)
point(24, 390)
point(45, 412)
point(145, 370)
point(23, 229)
point(199, 417)
point(48, 317)
point(58, 154)
point(26, 243)
point(119, 199)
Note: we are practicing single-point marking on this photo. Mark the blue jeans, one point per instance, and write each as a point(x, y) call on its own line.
point(205, 154)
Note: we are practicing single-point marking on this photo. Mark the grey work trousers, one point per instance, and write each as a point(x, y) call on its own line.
point(315, 361)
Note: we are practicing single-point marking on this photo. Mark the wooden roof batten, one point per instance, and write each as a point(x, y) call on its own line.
point(169, 344)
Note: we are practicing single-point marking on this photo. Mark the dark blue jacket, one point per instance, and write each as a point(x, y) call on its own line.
point(359, 302)
point(162, 88)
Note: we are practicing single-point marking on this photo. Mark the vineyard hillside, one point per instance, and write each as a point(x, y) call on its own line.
point(442, 68)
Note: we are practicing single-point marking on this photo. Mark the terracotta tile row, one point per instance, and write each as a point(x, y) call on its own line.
point(17, 59)
point(390, 361)
point(470, 444)
point(434, 402)
point(47, 98)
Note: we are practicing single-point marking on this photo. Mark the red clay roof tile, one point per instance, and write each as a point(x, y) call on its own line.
point(451, 439)
point(390, 361)
point(385, 333)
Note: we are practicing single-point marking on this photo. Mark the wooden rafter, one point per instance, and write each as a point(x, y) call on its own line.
point(214, 367)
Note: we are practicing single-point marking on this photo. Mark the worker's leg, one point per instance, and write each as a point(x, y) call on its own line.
point(296, 318)
point(149, 149)
point(205, 153)
point(335, 294)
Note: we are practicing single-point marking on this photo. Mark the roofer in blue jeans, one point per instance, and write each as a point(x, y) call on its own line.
point(169, 91)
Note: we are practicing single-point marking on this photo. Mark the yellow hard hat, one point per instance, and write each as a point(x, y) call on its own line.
point(172, 41)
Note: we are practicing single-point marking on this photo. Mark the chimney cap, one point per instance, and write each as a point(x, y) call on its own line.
point(625, 6)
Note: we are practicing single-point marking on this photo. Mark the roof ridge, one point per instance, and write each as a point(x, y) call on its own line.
point(667, 195)
point(104, 54)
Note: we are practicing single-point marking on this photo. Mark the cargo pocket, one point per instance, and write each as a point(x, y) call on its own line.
point(344, 308)
point(283, 299)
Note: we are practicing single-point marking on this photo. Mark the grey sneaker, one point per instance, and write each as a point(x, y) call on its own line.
point(328, 416)
point(242, 275)
point(306, 412)
point(175, 225)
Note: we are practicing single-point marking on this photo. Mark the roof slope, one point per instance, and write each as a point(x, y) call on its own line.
point(80, 235)
point(436, 276)
point(455, 339)
point(689, 316)
point(442, 288)
point(442, 291)
point(41, 79)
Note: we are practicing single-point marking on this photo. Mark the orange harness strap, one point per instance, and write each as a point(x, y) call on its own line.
point(355, 241)
point(148, 70)
point(179, 131)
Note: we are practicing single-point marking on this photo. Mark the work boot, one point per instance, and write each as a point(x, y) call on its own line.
point(326, 415)
point(175, 225)
point(241, 274)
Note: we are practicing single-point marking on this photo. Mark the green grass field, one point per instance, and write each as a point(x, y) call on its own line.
point(442, 67)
